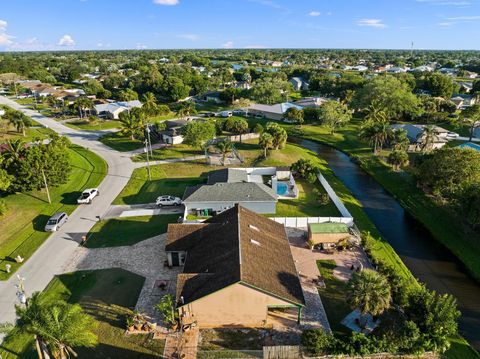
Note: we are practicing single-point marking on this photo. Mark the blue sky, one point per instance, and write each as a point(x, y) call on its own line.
point(157, 24)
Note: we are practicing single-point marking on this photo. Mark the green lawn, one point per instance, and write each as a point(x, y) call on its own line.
point(170, 179)
point(333, 296)
point(93, 125)
point(119, 142)
point(9, 131)
point(176, 151)
point(161, 118)
point(127, 231)
point(109, 296)
point(22, 226)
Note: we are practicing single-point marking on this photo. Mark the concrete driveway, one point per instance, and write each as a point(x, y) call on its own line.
point(51, 257)
point(147, 209)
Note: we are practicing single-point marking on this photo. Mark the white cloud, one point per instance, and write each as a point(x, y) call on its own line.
point(3, 25)
point(314, 13)
point(372, 23)
point(141, 46)
point(191, 37)
point(5, 39)
point(66, 40)
point(445, 24)
point(464, 18)
point(228, 45)
point(166, 2)
point(461, 3)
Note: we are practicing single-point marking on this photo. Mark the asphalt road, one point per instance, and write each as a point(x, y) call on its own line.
point(53, 255)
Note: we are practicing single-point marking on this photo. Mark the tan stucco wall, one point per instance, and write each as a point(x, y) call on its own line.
point(327, 237)
point(233, 306)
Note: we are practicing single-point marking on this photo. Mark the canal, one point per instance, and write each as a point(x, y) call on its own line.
point(426, 258)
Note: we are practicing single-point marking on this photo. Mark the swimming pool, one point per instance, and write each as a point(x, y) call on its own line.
point(282, 188)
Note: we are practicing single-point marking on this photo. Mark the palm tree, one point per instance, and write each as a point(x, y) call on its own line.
point(150, 106)
point(397, 159)
point(265, 141)
point(83, 104)
point(57, 326)
point(225, 147)
point(130, 124)
point(471, 117)
point(376, 133)
point(375, 113)
point(428, 138)
point(369, 292)
point(19, 121)
point(65, 326)
point(14, 150)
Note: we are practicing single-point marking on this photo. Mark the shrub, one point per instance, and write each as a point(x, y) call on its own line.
point(317, 341)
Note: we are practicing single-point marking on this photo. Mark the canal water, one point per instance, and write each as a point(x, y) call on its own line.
point(426, 258)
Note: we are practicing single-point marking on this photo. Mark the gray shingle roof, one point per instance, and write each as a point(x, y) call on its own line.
point(230, 192)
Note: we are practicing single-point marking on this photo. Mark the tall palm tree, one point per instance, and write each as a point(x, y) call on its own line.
point(20, 121)
point(14, 150)
point(130, 124)
point(428, 138)
point(57, 326)
point(375, 113)
point(376, 133)
point(150, 106)
point(225, 147)
point(265, 141)
point(83, 104)
point(369, 292)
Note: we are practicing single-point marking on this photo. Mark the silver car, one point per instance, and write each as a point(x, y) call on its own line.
point(56, 221)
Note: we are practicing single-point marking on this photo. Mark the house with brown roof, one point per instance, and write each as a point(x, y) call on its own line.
point(238, 269)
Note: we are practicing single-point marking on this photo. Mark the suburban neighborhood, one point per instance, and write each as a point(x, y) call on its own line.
point(192, 200)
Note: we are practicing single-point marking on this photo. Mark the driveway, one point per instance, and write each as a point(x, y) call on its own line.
point(51, 257)
point(147, 209)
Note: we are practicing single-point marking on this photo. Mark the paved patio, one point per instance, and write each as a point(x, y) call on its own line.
point(314, 315)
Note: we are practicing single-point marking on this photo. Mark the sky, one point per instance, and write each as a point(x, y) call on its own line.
point(33, 25)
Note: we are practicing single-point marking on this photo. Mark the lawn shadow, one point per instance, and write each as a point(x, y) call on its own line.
point(70, 197)
point(39, 222)
point(103, 350)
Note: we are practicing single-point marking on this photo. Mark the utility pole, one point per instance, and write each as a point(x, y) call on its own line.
point(46, 186)
point(148, 161)
point(149, 140)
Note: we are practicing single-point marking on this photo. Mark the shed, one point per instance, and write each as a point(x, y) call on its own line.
point(328, 233)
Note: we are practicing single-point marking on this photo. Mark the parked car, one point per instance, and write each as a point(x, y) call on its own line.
point(452, 135)
point(168, 201)
point(240, 112)
point(226, 114)
point(56, 221)
point(88, 195)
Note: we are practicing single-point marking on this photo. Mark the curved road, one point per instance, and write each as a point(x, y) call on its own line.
point(52, 256)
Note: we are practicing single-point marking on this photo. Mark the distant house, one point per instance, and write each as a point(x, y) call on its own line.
point(272, 112)
point(471, 145)
point(299, 84)
point(114, 109)
point(466, 86)
point(238, 269)
point(212, 96)
point(396, 70)
point(463, 100)
point(311, 102)
point(416, 136)
point(173, 131)
point(327, 234)
point(422, 68)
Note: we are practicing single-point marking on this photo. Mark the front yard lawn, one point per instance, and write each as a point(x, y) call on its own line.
point(171, 179)
point(83, 124)
point(119, 142)
point(176, 151)
point(22, 226)
point(127, 231)
point(109, 295)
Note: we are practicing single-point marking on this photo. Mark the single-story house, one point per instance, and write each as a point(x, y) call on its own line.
point(212, 96)
point(114, 109)
point(471, 145)
point(208, 199)
point(238, 268)
point(463, 100)
point(327, 234)
point(299, 83)
point(173, 131)
point(416, 136)
point(272, 112)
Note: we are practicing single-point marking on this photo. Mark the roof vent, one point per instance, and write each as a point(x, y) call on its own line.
point(253, 227)
point(253, 241)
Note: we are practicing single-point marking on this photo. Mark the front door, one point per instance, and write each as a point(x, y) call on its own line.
point(175, 259)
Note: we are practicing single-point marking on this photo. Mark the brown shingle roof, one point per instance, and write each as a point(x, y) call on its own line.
point(237, 245)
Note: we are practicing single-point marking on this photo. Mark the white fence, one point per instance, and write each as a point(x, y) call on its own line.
point(245, 136)
point(333, 196)
point(302, 222)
